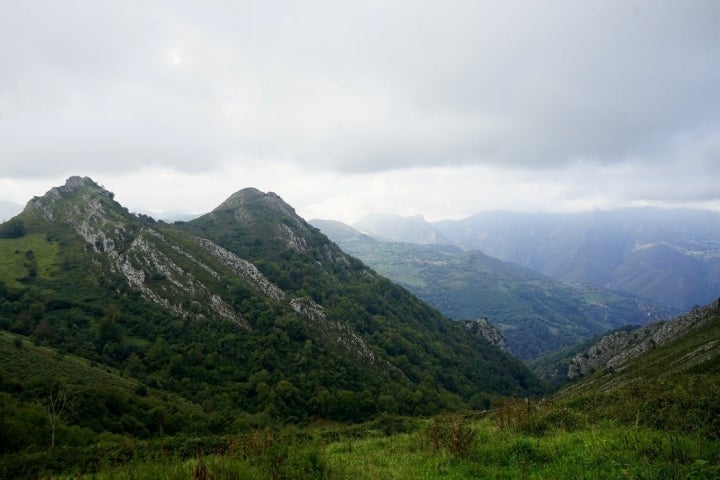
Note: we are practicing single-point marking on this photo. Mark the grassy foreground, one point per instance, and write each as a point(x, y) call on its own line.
point(556, 443)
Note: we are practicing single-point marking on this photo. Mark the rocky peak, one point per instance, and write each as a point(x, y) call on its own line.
point(75, 182)
point(84, 188)
point(73, 185)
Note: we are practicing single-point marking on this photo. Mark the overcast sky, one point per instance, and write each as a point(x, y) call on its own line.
point(443, 108)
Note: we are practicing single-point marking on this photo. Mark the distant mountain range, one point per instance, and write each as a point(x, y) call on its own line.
point(670, 257)
point(536, 314)
point(395, 228)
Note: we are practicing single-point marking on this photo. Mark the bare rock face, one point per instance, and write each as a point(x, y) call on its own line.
point(615, 351)
point(483, 328)
point(341, 334)
point(243, 269)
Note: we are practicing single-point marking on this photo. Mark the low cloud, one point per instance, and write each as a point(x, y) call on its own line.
point(576, 92)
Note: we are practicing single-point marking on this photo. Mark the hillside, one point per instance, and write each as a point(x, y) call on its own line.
point(669, 257)
point(646, 421)
point(100, 399)
point(695, 334)
point(536, 314)
point(131, 348)
point(248, 312)
point(664, 375)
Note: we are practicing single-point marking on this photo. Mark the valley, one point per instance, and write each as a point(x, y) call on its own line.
point(669, 257)
point(536, 314)
point(245, 343)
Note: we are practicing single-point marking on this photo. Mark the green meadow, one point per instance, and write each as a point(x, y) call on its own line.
point(456, 446)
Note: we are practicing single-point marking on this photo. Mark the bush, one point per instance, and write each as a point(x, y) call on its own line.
point(526, 416)
point(452, 433)
point(393, 424)
point(280, 456)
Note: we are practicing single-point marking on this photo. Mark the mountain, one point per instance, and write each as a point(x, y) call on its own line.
point(535, 314)
point(300, 259)
point(248, 314)
point(615, 352)
point(663, 376)
point(397, 228)
point(669, 257)
point(176, 216)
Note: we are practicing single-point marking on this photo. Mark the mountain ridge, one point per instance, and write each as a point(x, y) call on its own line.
point(247, 311)
point(615, 351)
point(665, 376)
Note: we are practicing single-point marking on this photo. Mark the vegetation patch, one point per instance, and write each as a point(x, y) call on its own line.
point(606, 450)
point(27, 258)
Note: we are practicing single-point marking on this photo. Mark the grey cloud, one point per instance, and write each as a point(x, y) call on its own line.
point(358, 86)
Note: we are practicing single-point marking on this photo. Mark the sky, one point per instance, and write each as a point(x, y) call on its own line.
point(343, 108)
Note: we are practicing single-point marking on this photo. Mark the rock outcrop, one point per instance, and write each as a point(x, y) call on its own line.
point(615, 351)
point(483, 328)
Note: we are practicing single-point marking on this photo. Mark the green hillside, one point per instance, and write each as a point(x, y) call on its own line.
point(673, 385)
point(245, 344)
point(647, 421)
point(303, 262)
point(536, 314)
point(245, 318)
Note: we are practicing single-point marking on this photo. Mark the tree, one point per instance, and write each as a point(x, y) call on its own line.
point(13, 228)
point(109, 331)
point(56, 405)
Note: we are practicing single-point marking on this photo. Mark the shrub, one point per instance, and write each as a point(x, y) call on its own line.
point(392, 424)
point(280, 456)
point(526, 416)
point(452, 433)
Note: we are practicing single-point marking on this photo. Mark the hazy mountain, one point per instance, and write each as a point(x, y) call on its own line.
point(397, 228)
point(247, 313)
point(534, 313)
point(9, 210)
point(174, 216)
point(670, 257)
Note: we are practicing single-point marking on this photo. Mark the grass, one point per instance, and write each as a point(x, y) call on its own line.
point(17, 263)
point(598, 451)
